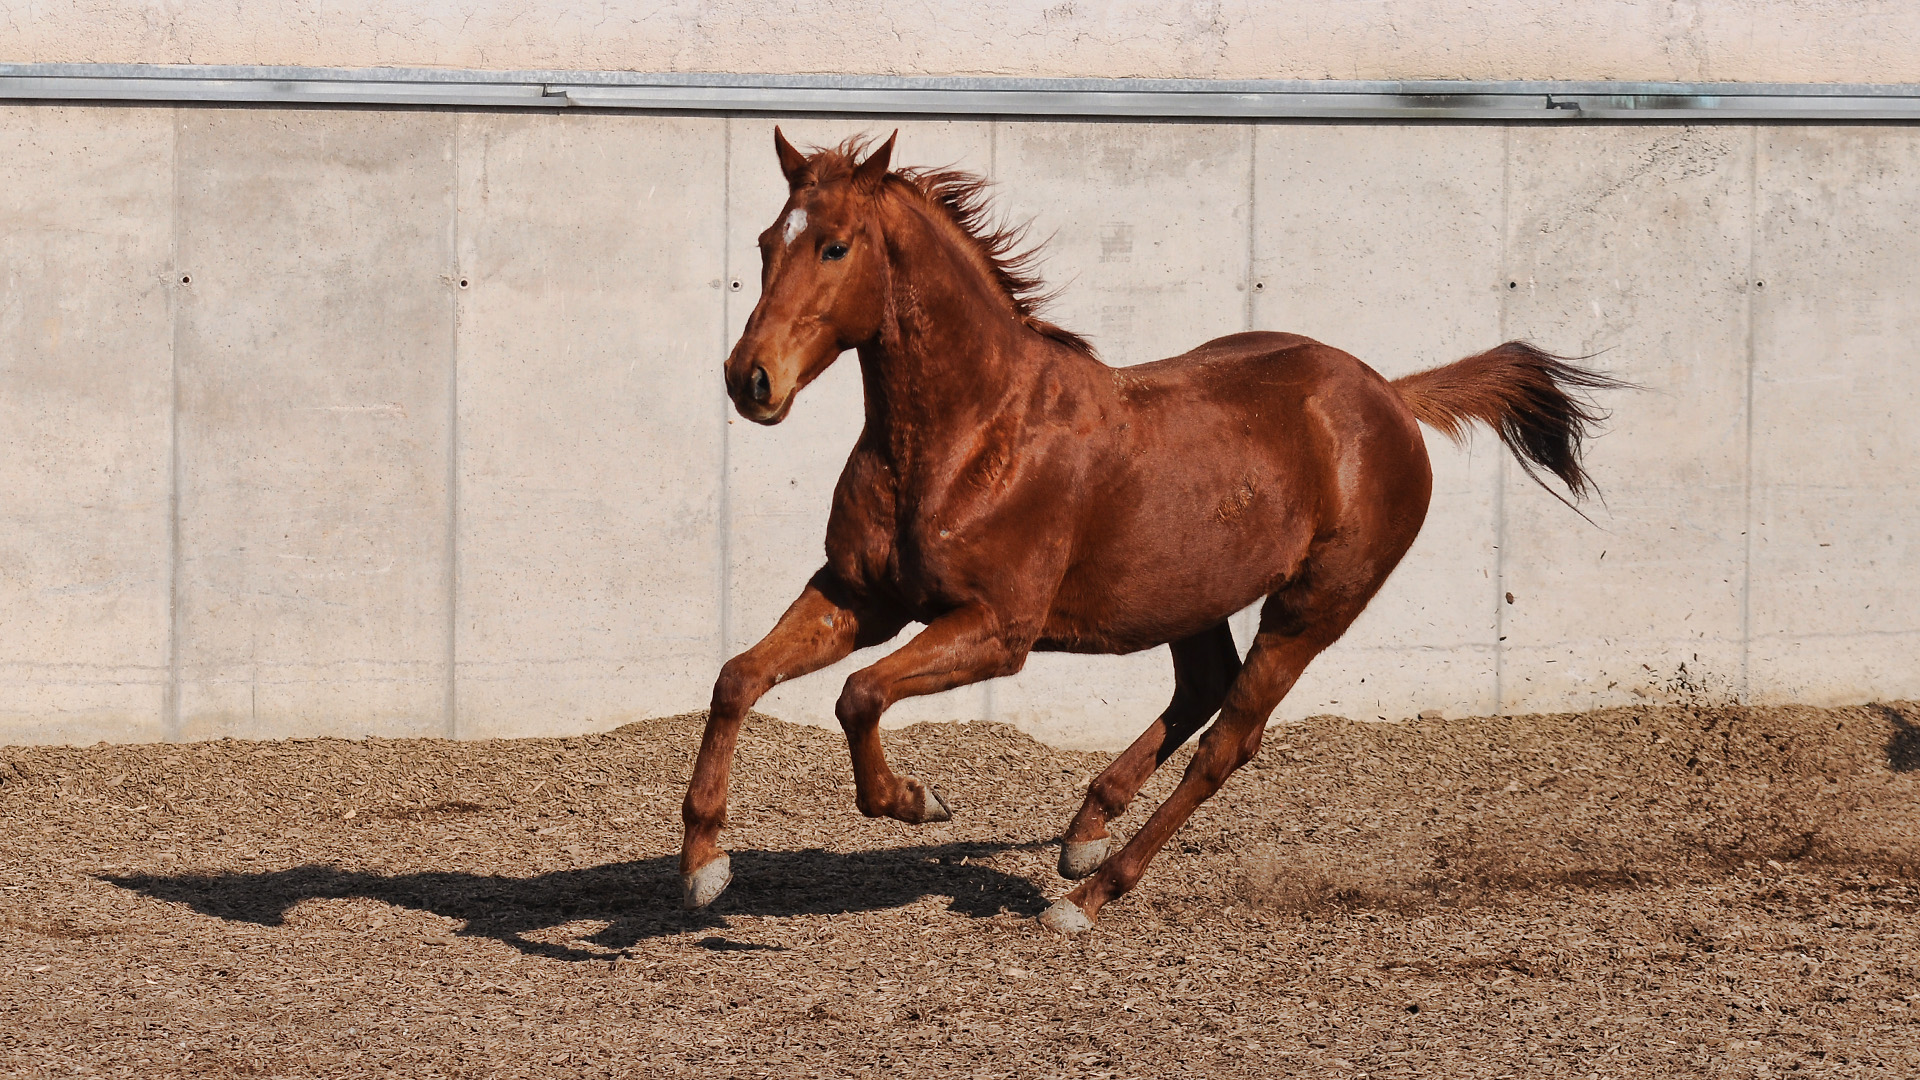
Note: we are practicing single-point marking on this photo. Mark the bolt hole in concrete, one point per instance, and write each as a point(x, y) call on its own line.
point(186, 279)
point(1513, 284)
point(1259, 285)
point(1759, 284)
point(734, 285)
point(463, 283)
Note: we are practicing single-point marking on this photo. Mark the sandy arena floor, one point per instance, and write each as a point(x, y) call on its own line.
point(1651, 892)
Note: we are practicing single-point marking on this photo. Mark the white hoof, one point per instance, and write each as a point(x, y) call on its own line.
point(932, 807)
point(1065, 917)
point(1078, 858)
point(704, 886)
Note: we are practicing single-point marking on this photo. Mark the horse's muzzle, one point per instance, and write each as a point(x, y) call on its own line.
point(756, 398)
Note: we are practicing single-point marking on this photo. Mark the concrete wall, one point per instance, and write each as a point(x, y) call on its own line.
point(409, 421)
point(1728, 40)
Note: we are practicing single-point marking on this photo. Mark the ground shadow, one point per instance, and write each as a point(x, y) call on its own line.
point(1903, 746)
point(638, 900)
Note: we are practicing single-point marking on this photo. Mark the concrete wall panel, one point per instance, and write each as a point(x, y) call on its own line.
point(1740, 40)
point(85, 422)
point(315, 341)
point(1386, 241)
point(1835, 605)
point(603, 532)
point(781, 479)
point(1635, 240)
point(589, 476)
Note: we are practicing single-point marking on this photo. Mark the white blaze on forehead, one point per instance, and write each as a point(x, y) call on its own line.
point(796, 223)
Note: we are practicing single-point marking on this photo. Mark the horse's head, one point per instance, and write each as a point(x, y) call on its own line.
point(822, 279)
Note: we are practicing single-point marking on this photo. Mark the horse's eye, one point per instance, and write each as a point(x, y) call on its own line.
point(833, 251)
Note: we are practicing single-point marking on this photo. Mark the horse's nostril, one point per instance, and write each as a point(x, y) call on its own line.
point(758, 386)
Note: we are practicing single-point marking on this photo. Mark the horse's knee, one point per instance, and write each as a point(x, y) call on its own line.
point(740, 685)
point(861, 702)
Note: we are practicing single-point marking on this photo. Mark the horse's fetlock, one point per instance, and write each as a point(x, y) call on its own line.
point(1111, 797)
point(701, 811)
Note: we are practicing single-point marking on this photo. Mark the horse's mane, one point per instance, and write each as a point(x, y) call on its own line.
point(962, 197)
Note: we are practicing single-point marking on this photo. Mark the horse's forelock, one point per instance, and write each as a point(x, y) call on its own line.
point(830, 163)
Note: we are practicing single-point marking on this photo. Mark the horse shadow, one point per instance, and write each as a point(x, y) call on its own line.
point(637, 900)
point(1903, 744)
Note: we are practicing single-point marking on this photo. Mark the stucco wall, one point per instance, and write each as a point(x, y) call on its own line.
point(409, 421)
point(1706, 40)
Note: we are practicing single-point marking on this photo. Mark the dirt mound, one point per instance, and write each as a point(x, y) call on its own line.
point(1633, 892)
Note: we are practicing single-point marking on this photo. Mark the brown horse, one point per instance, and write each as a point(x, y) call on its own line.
point(1014, 493)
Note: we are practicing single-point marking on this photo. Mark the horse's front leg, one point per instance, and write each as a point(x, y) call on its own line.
point(964, 646)
point(821, 627)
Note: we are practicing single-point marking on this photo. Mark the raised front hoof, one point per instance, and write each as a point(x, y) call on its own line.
point(932, 807)
point(704, 886)
point(1078, 858)
point(1065, 917)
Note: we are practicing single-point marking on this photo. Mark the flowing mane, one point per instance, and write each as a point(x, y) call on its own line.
point(962, 197)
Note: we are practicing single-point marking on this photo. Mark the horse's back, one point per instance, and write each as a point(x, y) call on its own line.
point(1235, 458)
point(1248, 344)
point(1255, 354)
point(1267, 376)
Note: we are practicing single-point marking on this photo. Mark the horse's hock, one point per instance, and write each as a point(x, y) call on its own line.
point(410, 421)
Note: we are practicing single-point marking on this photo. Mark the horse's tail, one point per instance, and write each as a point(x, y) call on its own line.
point(1524, 394)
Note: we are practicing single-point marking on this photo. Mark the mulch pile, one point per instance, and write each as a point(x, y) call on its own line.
point(1646, 892)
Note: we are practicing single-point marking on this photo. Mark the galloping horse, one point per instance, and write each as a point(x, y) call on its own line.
point(1014, 493)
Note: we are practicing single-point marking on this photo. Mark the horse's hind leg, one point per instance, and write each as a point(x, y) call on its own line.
point(1204, 666)
point(1295, 625)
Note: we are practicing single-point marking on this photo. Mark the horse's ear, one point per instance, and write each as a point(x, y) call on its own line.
point(792, 162)
point(868, 174)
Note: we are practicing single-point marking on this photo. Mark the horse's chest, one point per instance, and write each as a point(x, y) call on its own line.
point(916, 559)
point(927, 553)
point(885, 540)
point(936, 539)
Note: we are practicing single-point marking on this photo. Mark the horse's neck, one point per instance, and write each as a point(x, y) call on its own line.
point(952, 356)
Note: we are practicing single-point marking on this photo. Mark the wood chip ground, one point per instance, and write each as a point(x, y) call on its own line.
point(1653, 892)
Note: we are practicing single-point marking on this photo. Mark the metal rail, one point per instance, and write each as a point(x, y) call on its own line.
point(933, 96)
